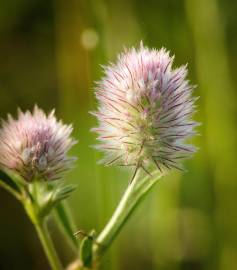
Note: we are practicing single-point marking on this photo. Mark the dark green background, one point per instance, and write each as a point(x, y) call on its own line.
point(190, 220)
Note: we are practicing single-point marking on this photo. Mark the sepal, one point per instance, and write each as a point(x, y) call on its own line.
point(45, 196)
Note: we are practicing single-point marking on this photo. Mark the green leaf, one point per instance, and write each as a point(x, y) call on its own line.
point(65, 221)
point(86, 251)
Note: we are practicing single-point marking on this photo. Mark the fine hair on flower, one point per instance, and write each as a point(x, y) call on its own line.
point(145, 111)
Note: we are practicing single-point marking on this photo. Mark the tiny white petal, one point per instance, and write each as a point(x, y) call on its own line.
point(26, 154)
point(42, 164)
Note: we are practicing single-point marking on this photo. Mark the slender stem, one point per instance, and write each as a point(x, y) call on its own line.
point(10, 190)
point(66, 222)
point(136, 191)
point(48, 246)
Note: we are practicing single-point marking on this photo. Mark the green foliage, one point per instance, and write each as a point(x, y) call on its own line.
point(66, 224)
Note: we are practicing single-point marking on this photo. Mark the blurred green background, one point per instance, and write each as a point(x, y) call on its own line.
point(50, 54)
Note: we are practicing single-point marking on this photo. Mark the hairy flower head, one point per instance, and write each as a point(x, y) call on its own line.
point(145, 110)
point(35, 145)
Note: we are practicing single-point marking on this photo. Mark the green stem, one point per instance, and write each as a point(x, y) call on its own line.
point(48, 246)
point(10, 190)
point(41, 228)
point(66, 222)
point(135, 193)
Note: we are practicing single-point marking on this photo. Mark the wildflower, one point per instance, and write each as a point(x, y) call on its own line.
point(145, 110)
point(35, 145)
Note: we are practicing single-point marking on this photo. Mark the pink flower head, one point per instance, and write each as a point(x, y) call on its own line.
point(144, 110)
point(35, 145)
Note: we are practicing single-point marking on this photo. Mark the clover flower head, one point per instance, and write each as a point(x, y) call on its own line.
point(36, 145)
point(145, 110)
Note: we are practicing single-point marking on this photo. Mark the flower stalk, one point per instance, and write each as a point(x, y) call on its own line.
point(40, 223)
point(43, 234)
point(134, 194)
point(66, 222)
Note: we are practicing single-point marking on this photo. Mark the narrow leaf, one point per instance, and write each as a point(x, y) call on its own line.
point(64, 192)
point(65, 221)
